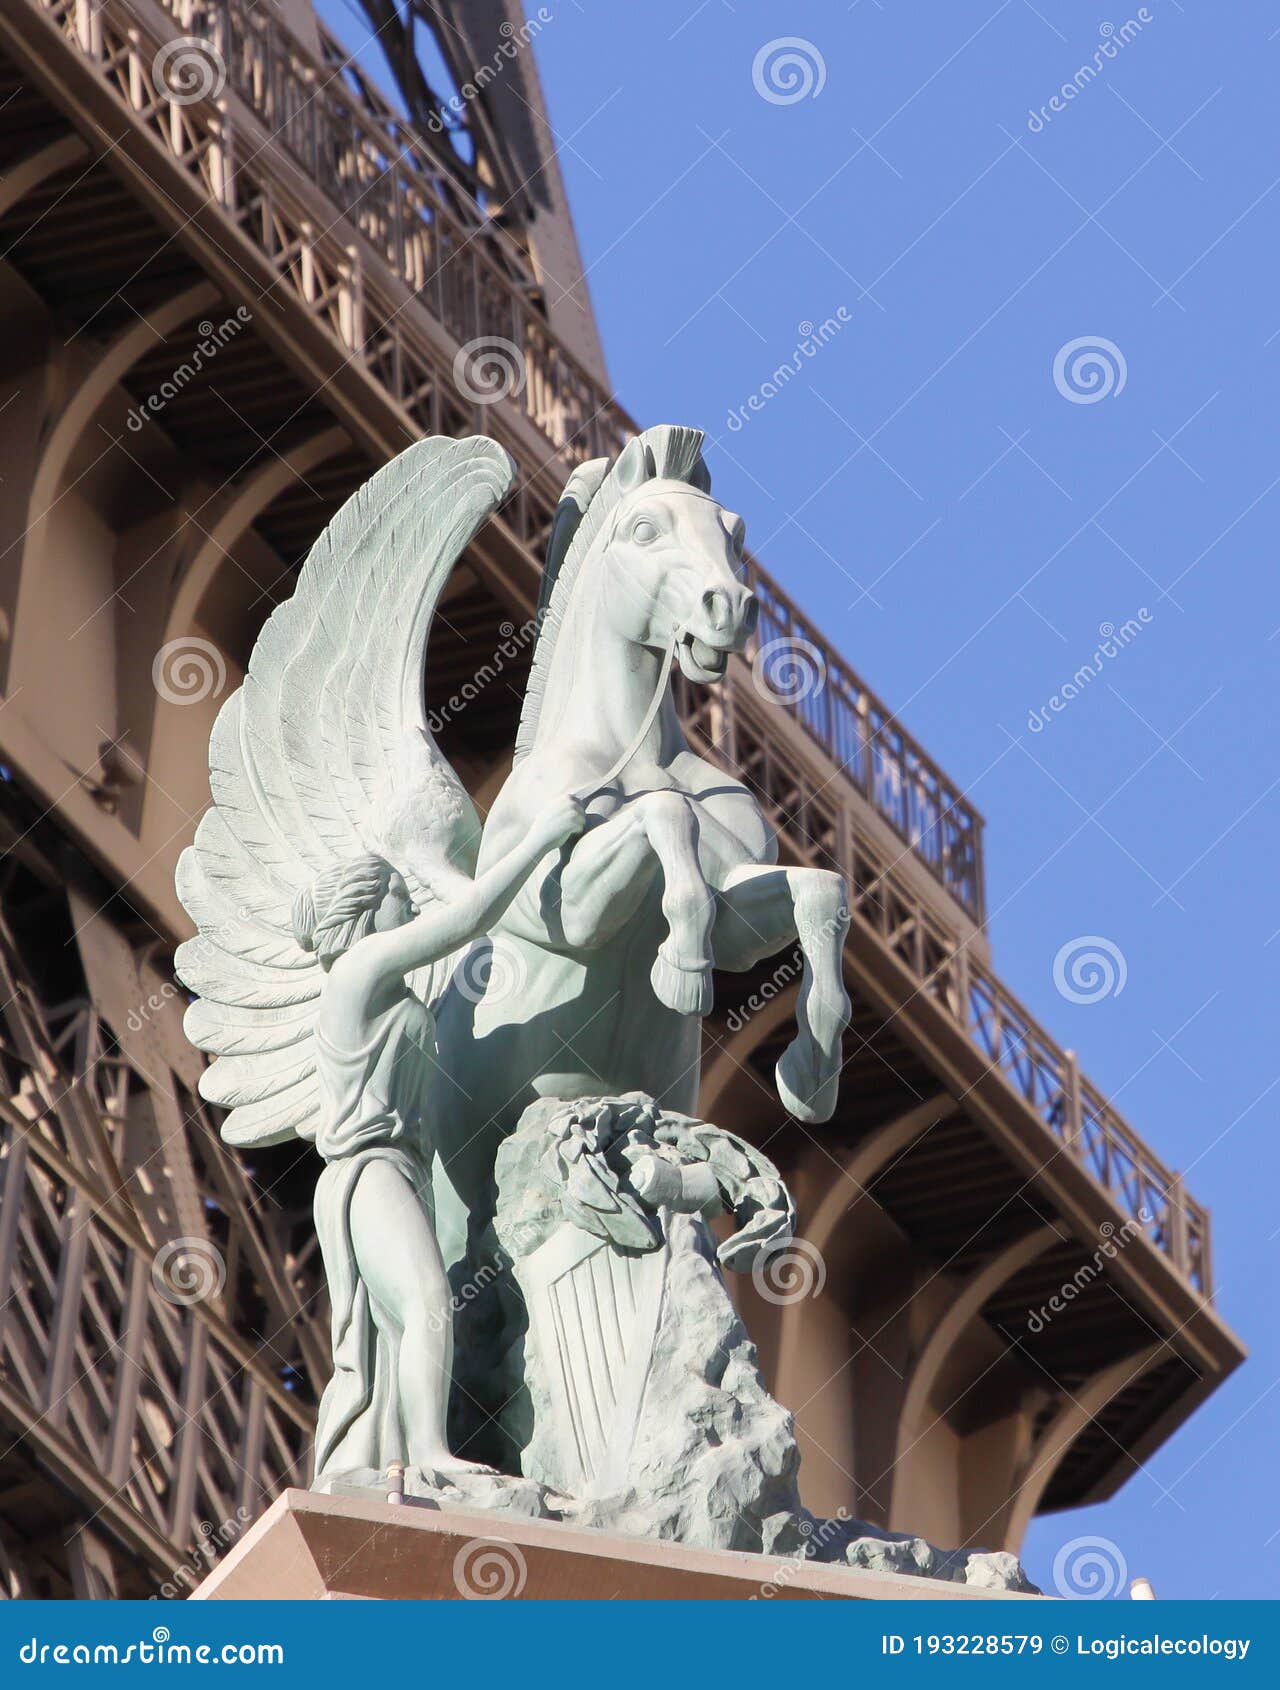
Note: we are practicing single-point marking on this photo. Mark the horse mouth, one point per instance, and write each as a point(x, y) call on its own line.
point(700, 661)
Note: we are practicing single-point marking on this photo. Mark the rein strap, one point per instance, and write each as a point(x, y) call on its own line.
point(584, 794)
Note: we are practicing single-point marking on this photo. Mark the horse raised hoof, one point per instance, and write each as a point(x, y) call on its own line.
point(686, 990)
point(808, 1084)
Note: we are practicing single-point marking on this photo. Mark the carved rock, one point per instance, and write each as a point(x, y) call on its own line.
point(633, 1391)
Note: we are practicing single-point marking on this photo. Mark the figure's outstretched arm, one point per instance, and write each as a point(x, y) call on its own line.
point(466, 909)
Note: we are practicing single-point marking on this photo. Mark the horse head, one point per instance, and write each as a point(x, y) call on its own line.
point(669, 563)
point(642, 554)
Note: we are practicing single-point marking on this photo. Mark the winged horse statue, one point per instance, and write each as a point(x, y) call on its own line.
point(593, 979)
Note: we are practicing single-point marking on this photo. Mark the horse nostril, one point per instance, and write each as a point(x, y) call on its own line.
point(750, 613)
point(717, 609)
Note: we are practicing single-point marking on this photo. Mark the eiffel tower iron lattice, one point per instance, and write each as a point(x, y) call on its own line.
point(139, 1430)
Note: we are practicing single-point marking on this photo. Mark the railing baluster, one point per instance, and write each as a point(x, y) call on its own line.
point(964, 1009)
point(1178, 1224)
point(1074, 1115)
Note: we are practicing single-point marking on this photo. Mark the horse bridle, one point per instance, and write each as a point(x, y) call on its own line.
point(584, 794)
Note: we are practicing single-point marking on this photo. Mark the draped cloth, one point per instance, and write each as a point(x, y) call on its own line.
point(370, 1112)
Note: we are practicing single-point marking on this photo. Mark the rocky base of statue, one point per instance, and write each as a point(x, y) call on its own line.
point(631, 1392)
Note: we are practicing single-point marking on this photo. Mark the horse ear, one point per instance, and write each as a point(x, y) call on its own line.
point(634, 465)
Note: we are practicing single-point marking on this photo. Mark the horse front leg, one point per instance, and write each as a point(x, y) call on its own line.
point(681, 972)
point(598, 886)
point(608, 876)
point(760, 910)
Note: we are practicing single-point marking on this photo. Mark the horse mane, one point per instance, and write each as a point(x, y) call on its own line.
point(591, 495)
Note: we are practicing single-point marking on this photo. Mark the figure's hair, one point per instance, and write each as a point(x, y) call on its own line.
point(338, 907)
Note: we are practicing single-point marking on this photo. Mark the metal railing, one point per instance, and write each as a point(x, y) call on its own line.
point(390, 184)
point(821, 827)
point(861, 747)
point(859, 734)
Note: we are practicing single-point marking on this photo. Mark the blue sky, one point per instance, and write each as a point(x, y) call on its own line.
point(962, 528)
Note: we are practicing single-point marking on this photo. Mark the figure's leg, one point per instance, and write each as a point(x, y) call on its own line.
point(398, 1258)
point(609, 873)
point(761, 909)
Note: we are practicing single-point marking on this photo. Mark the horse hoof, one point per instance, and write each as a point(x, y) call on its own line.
point(806, 1092)
point(686, 990)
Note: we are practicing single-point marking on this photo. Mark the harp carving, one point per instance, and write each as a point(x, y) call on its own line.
point(594, 1313)
point(589, 1191)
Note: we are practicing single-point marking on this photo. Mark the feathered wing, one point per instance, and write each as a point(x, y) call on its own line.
point(307, 761)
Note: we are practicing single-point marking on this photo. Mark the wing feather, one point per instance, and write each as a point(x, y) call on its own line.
point(234, 1081)
point(291, 1113)
point(227, 977)
point(303, 761)
point(226, 1029)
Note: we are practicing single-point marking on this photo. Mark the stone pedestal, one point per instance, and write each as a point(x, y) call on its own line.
point(313, 1547)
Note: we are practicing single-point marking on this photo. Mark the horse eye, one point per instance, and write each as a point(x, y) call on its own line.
point(644, 531)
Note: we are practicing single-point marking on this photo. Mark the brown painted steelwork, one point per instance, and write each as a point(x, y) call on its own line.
point(971, 1170)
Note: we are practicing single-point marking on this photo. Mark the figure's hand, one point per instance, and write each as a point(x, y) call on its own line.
point(655, 1181)
point(561, 820)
